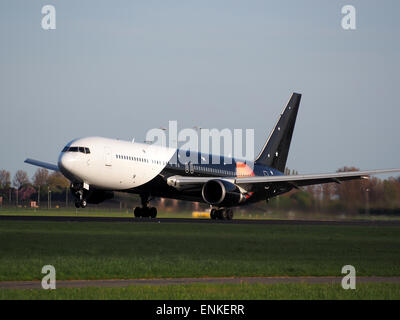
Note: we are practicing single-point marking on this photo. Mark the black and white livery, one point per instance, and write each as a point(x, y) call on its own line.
point(99, 166)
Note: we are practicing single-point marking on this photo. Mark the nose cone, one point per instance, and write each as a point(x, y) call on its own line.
point(67, 164)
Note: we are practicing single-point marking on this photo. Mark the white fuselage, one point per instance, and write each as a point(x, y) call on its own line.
point(113, 164)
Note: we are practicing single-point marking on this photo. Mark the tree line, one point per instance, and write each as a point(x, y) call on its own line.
point(22, 188)
point(373, 196)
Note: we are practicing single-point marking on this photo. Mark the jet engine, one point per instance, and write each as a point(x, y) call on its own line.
point(222, 193)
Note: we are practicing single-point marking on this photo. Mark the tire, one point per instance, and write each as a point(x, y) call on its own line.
point(83, 203)
point(220, 214)
point(77, 204)
point(212, 214)
point(153, 212)
point(145, 212)
point(229, 214)
point(137, 212)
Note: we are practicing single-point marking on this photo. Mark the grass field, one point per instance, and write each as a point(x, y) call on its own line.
point(81, 250)
point(374, 291)
point(95, 250)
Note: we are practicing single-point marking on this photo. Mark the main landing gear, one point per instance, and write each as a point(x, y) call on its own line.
point(221, 214)
point(145, 211)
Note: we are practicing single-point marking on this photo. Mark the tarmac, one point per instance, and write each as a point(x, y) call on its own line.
point(380, 223)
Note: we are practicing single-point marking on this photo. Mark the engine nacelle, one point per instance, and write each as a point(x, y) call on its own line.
point(222, 193)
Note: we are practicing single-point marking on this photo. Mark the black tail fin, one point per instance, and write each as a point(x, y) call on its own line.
point(275, 151)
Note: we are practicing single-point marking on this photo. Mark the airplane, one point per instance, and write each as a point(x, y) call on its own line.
point(97, 167)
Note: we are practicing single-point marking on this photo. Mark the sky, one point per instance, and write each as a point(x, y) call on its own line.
point(120, 68)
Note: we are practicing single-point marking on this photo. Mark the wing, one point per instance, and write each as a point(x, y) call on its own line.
point(42, 164)
point(310, 179)
point(295, 180)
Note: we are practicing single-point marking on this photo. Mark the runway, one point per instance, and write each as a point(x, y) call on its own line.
point(380, 223)
point(118, 283)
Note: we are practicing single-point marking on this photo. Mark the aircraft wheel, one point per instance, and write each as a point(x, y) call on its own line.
point(77, 204)
point(213, 214)
point(137, 212)
point(153, 212)
point(229, 214)
point(83, 203)
point(220, 214)
point(145, 212)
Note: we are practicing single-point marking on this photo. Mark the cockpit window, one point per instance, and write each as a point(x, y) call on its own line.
point(76, 149)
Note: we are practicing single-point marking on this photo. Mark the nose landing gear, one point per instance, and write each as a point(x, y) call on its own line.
point(80, 195)
point(80, 203)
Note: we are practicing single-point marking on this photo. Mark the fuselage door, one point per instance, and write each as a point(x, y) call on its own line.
point(107, 156)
